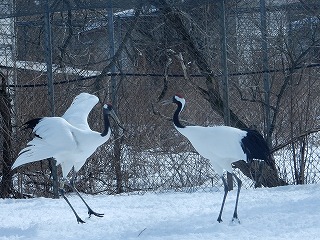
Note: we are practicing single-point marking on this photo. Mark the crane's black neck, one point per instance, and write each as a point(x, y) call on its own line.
point(176, 120)
point(106, 124)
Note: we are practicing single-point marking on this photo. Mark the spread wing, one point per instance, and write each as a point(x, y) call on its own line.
point(77, 113)
point(52, 138)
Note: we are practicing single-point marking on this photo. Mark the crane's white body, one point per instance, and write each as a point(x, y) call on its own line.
point(67, 139)
point(223, 145)
point(220, 144)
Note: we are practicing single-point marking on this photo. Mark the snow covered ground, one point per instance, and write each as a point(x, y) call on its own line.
point(291, 212)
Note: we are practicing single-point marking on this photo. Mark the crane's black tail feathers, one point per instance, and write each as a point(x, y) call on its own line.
point(255, 147)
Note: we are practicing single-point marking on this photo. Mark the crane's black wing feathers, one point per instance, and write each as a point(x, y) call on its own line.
point(31, 124)
point(255, 147)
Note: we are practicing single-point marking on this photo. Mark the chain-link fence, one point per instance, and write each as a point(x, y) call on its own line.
point(261, 57)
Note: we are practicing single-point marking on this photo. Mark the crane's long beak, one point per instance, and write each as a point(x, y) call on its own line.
point(166, 102)
point(117, 120)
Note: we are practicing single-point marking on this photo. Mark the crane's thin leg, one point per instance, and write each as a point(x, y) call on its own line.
point(61, 190)
point(235, 214)
point(226, 189)
point(90, 211)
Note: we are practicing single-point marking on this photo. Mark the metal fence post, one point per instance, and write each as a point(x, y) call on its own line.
point(48, 52)
point(225, 78)
point(111, 53)
point(113, 90)
point(265, 63)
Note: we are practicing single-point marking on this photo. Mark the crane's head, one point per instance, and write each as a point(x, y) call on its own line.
point(108, 110)
point(177, 99)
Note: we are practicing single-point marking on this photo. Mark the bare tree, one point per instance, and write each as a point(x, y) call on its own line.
point(6, 133)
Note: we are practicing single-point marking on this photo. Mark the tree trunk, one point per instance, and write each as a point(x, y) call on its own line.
point(117, 160)
point(260, 173)
point(6, 132)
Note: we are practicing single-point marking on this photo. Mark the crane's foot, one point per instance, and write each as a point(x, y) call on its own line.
point(91, 212)
point(219, 219)
point(235, 220)
point(79, 220)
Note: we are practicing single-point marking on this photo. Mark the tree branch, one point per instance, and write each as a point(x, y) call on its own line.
point(212, 94)
point(295, 139)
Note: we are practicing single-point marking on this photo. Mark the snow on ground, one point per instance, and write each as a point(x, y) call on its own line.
point(291, 212)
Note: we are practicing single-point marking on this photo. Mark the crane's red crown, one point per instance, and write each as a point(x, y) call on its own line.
point(179, 95)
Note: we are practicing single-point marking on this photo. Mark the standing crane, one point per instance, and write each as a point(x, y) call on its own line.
point(69, 140)
point(223, 145)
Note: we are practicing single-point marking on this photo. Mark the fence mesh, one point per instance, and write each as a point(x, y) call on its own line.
point(133, 54)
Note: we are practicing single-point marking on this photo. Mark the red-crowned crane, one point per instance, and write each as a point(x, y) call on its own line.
point(67, 139)
point(223, 145)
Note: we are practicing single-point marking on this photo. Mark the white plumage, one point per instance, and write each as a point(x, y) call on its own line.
point(79, 110)
point(209, 143)
point(223, 145)
point(67, 139)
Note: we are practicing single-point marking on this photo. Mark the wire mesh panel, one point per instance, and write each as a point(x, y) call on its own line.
point(159, 49)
